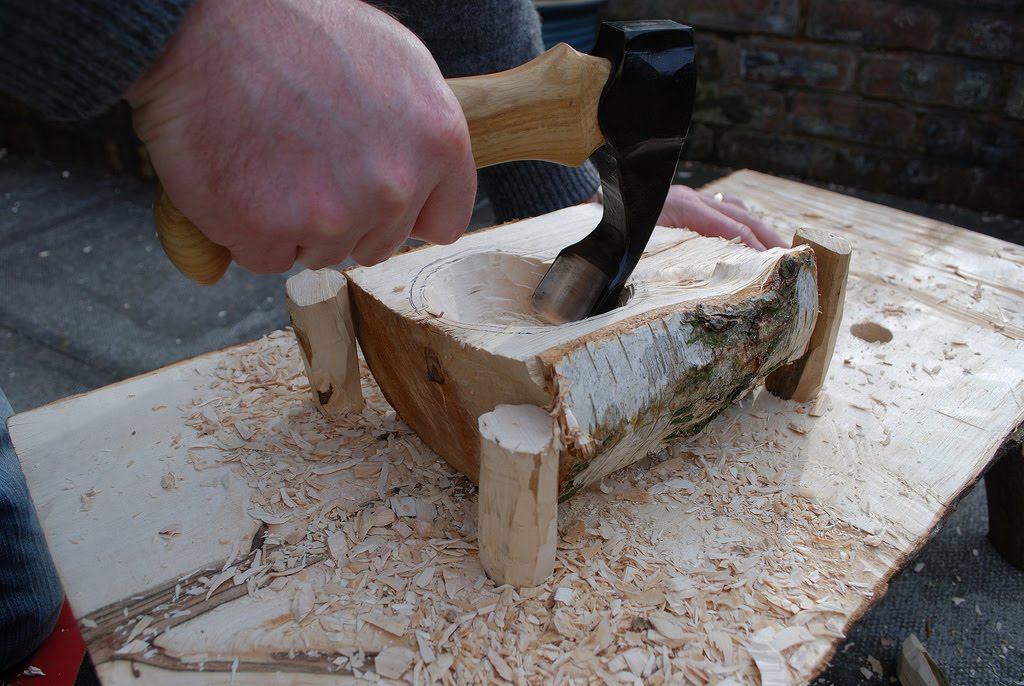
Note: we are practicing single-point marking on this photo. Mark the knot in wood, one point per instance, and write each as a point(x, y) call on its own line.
point(716, 322)
point(434, 370)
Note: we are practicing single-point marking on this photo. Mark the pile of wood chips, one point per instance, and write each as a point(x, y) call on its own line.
point(702, 564)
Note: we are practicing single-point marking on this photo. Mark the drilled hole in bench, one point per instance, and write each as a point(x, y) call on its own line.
point(871, 332)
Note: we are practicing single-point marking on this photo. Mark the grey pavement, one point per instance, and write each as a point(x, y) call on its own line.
point(87, 298)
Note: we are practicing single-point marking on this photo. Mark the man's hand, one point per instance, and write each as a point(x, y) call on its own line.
point(305, 130)
point(725, 217)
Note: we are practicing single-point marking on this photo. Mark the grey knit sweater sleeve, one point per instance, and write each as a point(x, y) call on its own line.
point(469, 37)
point(71, 59)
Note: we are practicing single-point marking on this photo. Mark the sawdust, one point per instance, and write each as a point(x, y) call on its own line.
point(739, 593)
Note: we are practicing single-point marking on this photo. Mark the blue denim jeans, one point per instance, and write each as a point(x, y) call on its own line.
point(30, 592)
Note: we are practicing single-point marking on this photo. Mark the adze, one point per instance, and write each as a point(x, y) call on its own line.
point(627, 105)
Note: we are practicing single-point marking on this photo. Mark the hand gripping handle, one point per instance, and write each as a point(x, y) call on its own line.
point(545, 109)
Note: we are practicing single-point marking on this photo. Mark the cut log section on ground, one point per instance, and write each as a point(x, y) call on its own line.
point(449, 333)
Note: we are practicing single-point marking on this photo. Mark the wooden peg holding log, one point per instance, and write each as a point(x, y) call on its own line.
point(802, 379)
point(517, 512)
point(321, 316)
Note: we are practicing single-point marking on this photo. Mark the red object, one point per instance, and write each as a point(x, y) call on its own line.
point(59, 658)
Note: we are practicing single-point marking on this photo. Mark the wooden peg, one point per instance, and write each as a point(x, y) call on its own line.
point(321, 316)
point(517, 515)
point(802, 379)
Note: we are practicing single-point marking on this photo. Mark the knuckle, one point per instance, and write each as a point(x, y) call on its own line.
point(394, 193)
point(380, 247)
point(318, 262)
point(265, 264)
point(450, 137)
point(326, 218)
point(368, 257)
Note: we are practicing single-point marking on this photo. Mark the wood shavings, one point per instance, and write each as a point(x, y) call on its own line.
point(393, 662)
point(797, 429)
point(87, 499)
point(397, 626)
point(170, 531)
point(670, 485)
point(500, 666)
point(268, 517)
point(369, 534)
point(219, 580)
point(426, 649)
point(337, 545)
point(770, 664)
point(302, 602)
point(403, 506)
point(563, 594)
point(667, 625)
point(790, 636)
point(133, 647)
point(139, 627)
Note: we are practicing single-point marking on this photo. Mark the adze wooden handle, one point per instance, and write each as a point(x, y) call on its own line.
point(545, 109)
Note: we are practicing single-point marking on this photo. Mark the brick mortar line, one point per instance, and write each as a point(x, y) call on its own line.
point(873, 50)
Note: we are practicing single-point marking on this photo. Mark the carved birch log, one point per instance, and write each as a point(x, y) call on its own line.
point(449, 333)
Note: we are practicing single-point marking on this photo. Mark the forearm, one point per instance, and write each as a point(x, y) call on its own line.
point(72, 59)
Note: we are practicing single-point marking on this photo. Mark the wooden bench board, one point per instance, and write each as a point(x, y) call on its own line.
point(765, 537)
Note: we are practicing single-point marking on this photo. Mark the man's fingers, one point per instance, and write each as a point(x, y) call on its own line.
point(717, 224)
point(679, 208)
point(685, 208)
point(734, 208)
point(265, 259)
point(445, 215)
point(732, 200)
point(324, 255)
point(381, 242)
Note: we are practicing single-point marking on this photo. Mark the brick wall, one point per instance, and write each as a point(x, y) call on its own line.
point(916, 98)
point(923, 99)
